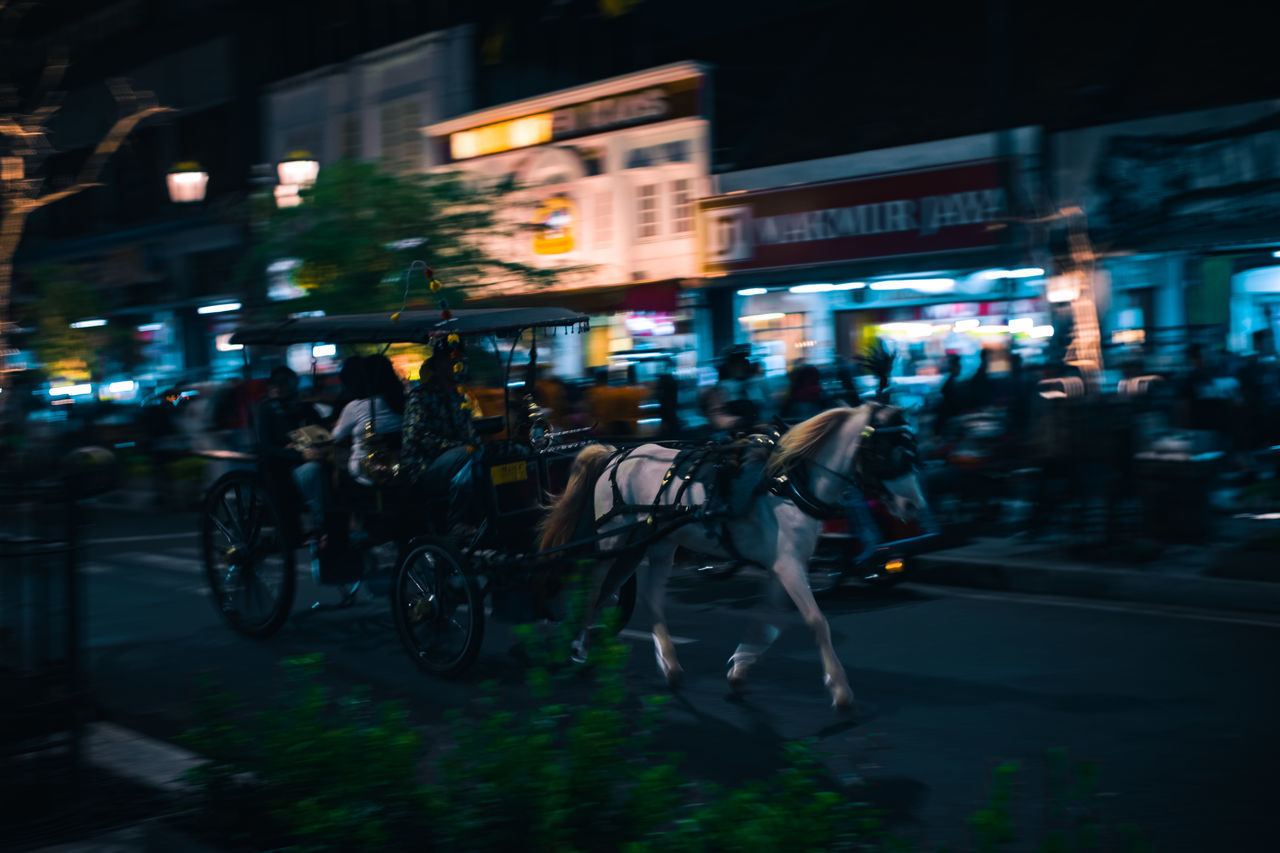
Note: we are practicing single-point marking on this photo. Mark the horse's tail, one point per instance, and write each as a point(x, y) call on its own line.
point(567, 507)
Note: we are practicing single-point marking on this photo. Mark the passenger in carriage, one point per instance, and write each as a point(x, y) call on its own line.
point(377, 410)
point(439, 435)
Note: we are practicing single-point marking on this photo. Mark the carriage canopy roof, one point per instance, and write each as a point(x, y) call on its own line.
point(410, 327)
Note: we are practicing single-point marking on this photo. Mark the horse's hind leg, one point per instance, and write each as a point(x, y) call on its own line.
point(796, 582)
point(603, 586)
point(653, 594)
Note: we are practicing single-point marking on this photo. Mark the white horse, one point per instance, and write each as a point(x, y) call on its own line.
point(822, 453)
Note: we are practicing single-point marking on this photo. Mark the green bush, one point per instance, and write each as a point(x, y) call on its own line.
point(579, 774)
point(188, 469)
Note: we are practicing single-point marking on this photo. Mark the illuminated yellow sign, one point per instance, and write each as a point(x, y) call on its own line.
point(502, 136)
point(553, 226)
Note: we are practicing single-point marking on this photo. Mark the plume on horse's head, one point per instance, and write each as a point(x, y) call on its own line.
point(804, 440)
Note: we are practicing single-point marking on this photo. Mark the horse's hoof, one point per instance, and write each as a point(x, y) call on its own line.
point(738, 679)
point(843, 703)
point(578, 653)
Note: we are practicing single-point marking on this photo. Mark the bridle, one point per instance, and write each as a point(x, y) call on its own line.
point(884, 453)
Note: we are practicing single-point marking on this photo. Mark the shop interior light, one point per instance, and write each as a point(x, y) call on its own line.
point(1042, 332)
point(1021, 325)
point(70, 390)
point(121, 387)
point(991, 330)
point(1024, 272)
point(324, 351)
point(966, 325)
point(223, 343)
point(1275, 254)
point(753, 291)
point(849, 285)
point(762, 318)
point(812, 288)
point(912, 330)
point(219, 308)
point(151, 327)
point(88, 324)
point(187, 183)
point(287, 195)
point(923, 285)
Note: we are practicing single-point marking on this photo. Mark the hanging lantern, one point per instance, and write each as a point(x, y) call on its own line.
point(298, 170)
point(187, 183)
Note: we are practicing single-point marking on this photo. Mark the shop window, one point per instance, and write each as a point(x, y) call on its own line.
point(647, 212)
point(682, 206)
point(604, 219)
point(401, 141)
point(350, 137)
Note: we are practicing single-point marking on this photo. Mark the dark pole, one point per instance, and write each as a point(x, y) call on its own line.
point(999, 86)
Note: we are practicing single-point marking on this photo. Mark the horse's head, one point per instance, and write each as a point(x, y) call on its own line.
point(886, 457)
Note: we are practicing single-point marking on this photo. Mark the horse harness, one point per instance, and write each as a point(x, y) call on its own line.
point(735, 475)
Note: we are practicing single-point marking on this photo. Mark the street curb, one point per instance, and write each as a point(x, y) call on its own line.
point(995, 573)
point(133, 755)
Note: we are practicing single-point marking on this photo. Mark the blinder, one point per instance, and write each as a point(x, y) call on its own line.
point(886, 453)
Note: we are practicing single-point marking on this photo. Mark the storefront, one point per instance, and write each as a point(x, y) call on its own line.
point(1184, 213)
point(606, 178)
point(927, 257)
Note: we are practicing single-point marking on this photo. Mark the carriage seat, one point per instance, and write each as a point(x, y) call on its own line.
point(490, 425)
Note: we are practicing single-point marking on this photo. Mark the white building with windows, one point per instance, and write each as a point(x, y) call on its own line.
point(373, 106)
point(607, 175)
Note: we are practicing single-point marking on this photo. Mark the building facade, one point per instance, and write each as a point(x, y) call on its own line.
point(1184, 216)
point(605, 177)
point(921, 245)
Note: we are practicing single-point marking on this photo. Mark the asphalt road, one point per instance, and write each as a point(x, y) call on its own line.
point(1176, 706)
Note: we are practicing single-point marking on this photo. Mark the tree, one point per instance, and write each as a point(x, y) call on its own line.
point(358, 229)
point(27, 113)
point(75, 354)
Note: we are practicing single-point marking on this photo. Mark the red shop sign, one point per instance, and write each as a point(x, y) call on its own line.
point(932, 210)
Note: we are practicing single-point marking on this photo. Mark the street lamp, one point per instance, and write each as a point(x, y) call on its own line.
point(298, 169)
point(297, 172)
point(187, 183)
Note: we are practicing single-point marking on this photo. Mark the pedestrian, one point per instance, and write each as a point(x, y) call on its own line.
point(950, 402)
point(805, 397)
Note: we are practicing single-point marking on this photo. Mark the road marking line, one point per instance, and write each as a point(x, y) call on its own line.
point(633, 634)
point(1136, 607)
point(148, 538)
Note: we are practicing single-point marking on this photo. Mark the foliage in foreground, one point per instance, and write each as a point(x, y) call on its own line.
point(581, 774)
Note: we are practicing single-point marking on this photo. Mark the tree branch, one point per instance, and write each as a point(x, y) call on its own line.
point(114, 139)
point(50, 198)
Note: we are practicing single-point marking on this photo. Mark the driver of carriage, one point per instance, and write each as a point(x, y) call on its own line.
point(279, 414)
point(438, 432)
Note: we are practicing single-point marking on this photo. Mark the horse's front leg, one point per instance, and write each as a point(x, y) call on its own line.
point(760, 636)
point(795, 581)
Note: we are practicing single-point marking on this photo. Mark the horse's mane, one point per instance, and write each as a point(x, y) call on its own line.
point(803, 441)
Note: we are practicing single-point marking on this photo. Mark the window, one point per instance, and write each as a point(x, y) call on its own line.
point(647, 212)
point(401, 141)
point(350, 137)
point(682, 207)
point(604, 219)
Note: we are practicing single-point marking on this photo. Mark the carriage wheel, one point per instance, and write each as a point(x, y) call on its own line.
point(248, 559)
point(438, 609)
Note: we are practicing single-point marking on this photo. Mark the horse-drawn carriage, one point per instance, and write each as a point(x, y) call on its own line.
point(441, 576)
point(762, 498)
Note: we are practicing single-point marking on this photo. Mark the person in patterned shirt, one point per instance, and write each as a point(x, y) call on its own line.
point(438, 434)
